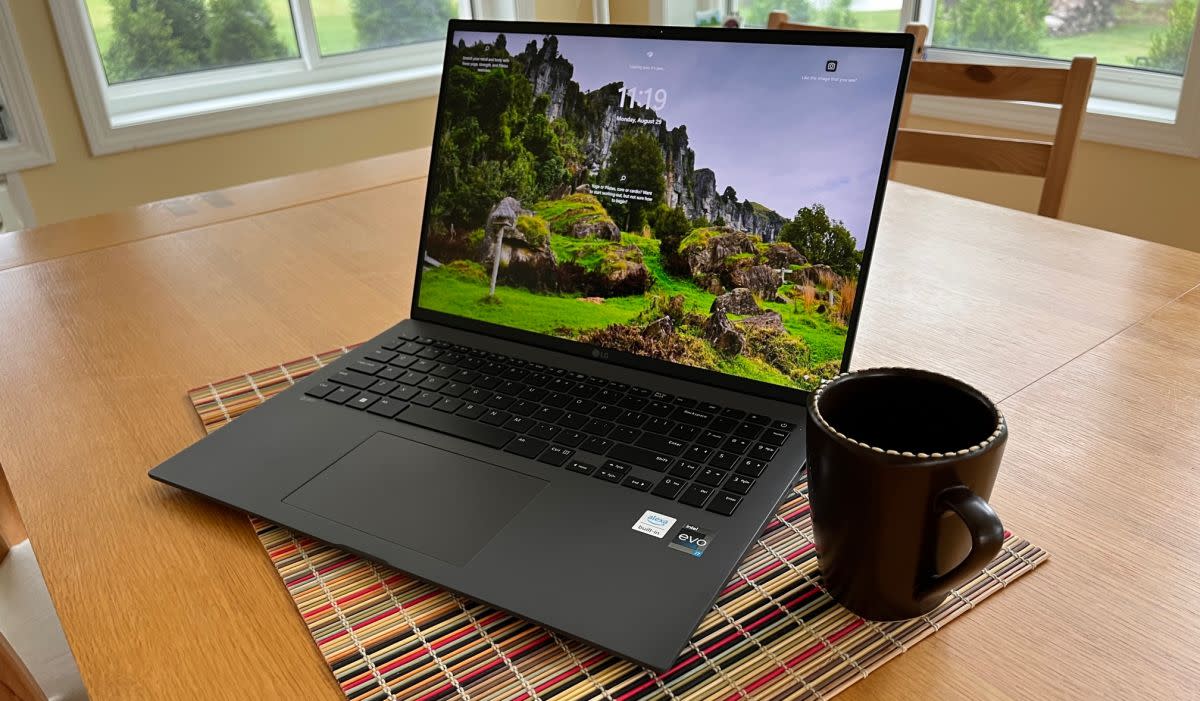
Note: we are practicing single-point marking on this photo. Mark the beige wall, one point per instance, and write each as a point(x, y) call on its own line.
point(78, 184)
point(1141, 193)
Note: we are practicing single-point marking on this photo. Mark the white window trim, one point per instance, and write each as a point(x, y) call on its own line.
point(29, 146)
point(151, 112)
point(1139, 109)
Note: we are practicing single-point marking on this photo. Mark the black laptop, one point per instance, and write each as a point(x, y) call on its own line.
point(641, 248)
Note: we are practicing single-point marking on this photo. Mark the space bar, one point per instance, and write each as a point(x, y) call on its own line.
point(456, 426)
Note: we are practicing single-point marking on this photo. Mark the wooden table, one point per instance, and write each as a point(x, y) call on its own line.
point(1089, 340)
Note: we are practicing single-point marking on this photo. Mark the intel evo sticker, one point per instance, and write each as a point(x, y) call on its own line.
point(690, 539)
point(654, 523)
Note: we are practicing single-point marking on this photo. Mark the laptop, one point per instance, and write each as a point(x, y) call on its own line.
point(641, 248)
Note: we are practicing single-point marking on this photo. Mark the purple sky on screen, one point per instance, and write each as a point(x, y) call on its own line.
point(751, 117)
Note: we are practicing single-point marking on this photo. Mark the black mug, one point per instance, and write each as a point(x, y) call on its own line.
point(900, 466)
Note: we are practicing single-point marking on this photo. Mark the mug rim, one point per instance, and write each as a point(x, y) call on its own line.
point(997, 432)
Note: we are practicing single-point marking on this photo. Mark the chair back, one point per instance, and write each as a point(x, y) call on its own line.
point(1069, 88)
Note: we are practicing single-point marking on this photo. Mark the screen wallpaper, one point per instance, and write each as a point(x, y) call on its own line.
point(704, 203)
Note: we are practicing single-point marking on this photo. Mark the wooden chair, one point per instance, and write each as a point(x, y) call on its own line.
point(1051, 160)
point(25, 606)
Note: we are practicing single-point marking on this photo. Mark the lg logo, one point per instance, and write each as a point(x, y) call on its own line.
point(599, 354)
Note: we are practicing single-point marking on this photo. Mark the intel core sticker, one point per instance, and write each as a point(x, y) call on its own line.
point(655, 524)
point(691, 540)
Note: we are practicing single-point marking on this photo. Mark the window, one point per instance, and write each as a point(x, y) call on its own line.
point(23, 139)
point(153, 71)
point(1143, 96)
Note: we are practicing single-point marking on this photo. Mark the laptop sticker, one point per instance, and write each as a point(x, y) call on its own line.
point(690, 539)
point(654, 523)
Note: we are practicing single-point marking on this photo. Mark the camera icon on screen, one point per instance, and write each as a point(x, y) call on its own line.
point(830, 66)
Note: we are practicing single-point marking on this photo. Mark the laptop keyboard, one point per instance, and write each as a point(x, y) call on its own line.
point(708, 456)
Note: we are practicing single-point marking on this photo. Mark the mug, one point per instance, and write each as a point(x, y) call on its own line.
point(901, 464)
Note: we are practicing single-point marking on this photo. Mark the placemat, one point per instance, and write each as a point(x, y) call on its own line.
point(773, 633)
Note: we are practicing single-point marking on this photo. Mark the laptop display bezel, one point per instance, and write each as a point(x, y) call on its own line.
point(897, 40)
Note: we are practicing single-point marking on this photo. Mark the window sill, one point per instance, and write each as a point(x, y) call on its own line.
point(201, 118)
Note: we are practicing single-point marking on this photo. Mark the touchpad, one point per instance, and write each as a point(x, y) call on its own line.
point(436, 502)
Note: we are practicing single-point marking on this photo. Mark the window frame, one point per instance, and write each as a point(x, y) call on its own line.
point(1129, 107)
point(29, 145)
point(167, 109)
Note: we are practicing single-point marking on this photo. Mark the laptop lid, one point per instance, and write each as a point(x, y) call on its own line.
point(700, 203)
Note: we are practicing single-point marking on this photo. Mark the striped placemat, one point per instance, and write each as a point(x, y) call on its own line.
point(773, 633)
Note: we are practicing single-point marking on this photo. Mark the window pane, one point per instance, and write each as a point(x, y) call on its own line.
point(867, 15)
point(346, 26)
point(6, 130)
point(1150, 34)
point(150, 38)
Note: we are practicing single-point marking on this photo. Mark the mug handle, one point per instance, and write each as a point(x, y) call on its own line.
point(987, 536)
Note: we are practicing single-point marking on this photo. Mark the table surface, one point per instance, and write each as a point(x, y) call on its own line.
point(1087, 339)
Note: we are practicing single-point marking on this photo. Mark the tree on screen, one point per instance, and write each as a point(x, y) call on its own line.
point(636, 162)
point(822, 240)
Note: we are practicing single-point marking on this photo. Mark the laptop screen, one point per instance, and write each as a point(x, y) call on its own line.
point(700, 202)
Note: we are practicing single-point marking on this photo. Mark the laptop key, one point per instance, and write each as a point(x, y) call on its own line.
point(467, 376)
point(711, 439)
point(657, 425)
point(597, 445)
point(411, 378)
point(637, 483)
point(697, 453)
point(423, 366)
point(380, 355)
point(526, 447)
point(472, 411)
point(427, 398)
point(547, 414)
point(684, 432)
point(724, 424)
point(544, 430)
point(696, 495)
point(499, 401)
point(668, 488)
point(606, 412)
point(495, 417)
point(387, 407)
point(618, 467)
point(691, 416)
point(352, 379)
point(747, 431)
point(763, 452)
point(736, 445)
point(341, 395)
point(640, 456)
point(739, 484)
point(453, 425)
point(449, 405)
point(444, 371)
point(321, 389)
point(573, 420)
point(389, 373)
point(432, 384)
point(622, 434)
point(383, 387)
point(774, 437)
point(757, 419)
point(404, 393)
point(598, 427)
point(725, 503)
point(782, 425)
point(520, 424)
point(367, 367)
point(608, 475)
point(661, 444)
point(685, 469)
point(711, 476)
point(571, 439)
point(522, 407)
point(581, 467)
point(556, 455)
point(751, 467)
point(363, 400)
point(733, 413)
point(724, 460)
point(455, 389)
point(632, 418)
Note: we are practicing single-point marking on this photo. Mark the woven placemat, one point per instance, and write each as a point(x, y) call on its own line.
point(773, 633)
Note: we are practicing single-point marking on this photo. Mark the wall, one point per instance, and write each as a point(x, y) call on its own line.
point(78, 184)
point(1140, 193)
point(1135, 192)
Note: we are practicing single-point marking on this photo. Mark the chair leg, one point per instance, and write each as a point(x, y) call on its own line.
point(16, 683)
point(12, 530)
